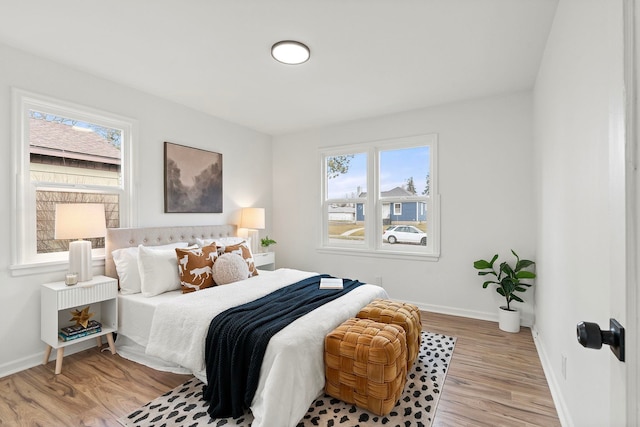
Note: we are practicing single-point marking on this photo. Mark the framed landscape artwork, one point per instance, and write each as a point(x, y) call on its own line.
point(192, 180)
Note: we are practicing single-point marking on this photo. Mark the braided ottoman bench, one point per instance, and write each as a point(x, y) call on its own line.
point(397, 313)
point(365, 364)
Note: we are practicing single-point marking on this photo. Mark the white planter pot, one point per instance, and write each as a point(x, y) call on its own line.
point(509, 321)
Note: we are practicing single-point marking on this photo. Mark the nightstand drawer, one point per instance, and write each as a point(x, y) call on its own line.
point(265, 260)
point(80, 295)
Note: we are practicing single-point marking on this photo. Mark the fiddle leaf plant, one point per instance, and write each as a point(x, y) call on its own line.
point(507, 278)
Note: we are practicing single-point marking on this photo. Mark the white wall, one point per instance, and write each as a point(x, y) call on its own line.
point(577, 101)
point(485, 166)
point(246, 163)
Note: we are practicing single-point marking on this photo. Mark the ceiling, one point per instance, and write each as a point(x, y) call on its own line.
point(368, 57)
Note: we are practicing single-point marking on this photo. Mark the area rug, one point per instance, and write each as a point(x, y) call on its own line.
point(183, 406)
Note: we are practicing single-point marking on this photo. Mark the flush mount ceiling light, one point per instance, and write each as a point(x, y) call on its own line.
point(290, 52)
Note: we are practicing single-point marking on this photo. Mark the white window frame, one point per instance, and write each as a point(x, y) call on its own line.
point(397, 208)
point(372, 244)
point(24, 256)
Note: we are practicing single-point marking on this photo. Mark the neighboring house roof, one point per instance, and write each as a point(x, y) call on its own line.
point(60, 140)
point(394, 192)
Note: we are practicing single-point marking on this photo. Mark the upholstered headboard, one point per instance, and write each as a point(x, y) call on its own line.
point(153, 236)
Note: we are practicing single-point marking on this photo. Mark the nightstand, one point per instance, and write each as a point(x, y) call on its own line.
point(58, 300)
point(265, 261)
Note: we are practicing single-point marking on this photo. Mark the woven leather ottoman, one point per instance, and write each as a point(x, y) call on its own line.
point(397, 313)
point(365, 364)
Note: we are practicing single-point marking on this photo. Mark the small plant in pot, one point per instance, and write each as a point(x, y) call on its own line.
point(508, 281)
point(266, 242)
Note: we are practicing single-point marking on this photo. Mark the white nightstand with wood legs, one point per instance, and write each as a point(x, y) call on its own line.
point(58, 300)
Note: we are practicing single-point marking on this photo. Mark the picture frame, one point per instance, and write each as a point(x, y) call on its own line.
point(192, 180)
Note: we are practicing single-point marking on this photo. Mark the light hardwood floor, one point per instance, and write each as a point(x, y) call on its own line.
point(495, 379)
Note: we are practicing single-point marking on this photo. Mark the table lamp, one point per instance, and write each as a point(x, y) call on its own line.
point(253, 220)
point(78, 221)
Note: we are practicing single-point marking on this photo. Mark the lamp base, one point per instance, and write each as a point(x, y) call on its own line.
point(253, 238)
point(80, 259)
point(254, 235)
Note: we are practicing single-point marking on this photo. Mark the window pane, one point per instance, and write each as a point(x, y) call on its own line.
point(345, 222)
point(405, 172)
point(46, 201)
point(347, 176)
point(68, 151)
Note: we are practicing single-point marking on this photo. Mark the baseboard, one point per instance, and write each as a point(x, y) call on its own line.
point(526, 320)
point(556, 395)
point(36, 359)
point(552, 381)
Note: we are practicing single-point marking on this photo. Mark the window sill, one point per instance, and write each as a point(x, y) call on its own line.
point(337, 250)
point(32, 268)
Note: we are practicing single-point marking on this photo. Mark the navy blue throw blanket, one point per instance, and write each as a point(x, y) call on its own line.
point(237, 341)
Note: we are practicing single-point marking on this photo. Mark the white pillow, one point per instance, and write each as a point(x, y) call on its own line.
point(126, 261)
point(158, 270)
point(220, 241)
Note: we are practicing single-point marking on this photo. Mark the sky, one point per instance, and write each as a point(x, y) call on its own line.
point(396, 166)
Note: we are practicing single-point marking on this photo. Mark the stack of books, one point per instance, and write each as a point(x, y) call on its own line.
point(78, 331)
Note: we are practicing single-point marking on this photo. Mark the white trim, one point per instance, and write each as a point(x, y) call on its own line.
point(564, 415)
point(632, 201)
point(354, 250)
point(23, 214)
point(27, 362)
point(526, 319)
point(372, 244)
point(97, 264)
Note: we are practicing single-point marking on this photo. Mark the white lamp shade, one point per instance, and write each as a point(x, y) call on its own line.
point(252, 218)
point(80, 221)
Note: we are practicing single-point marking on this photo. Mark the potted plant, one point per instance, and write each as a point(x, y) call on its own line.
point(266, 242)
point(508, 280)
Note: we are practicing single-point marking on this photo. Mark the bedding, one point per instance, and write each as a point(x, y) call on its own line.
point(292, 371)
point(126, 264)
point(168, 331)
point(237, 340)
point(229, 268)
point(158, 270)
point(195, 267)
point(244, 251)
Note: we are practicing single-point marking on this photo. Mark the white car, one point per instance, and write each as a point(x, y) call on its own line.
point(404, 234)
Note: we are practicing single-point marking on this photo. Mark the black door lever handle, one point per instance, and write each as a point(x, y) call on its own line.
point(591, 336)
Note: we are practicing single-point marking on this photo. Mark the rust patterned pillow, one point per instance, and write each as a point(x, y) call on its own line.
point(243, 250)
point(195, 267)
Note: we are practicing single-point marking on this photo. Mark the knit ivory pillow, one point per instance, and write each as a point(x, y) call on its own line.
point(230, 268)
point(244, 251)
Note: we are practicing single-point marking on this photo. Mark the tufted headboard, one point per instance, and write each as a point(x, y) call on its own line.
point(118, 238)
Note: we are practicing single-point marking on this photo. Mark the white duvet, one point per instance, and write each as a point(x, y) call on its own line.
point(292, 373)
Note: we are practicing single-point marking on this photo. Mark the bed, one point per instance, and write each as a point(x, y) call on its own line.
point(167, 331)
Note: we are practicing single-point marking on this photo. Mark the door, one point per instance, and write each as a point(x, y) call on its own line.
point(623, 212)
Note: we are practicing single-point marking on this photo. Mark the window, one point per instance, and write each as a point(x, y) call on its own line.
point(395, 182)
point(65, 153)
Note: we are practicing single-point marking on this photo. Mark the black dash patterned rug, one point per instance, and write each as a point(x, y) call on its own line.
point(183, 406)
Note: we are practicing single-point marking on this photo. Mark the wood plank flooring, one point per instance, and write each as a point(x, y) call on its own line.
point(495, 379)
